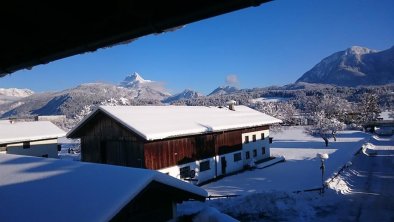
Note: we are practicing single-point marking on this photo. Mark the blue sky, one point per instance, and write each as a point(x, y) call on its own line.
point(273, 44)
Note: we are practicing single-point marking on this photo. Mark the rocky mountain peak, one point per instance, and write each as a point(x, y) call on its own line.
point(355, 66)
point(358, 50)
point(133, 79)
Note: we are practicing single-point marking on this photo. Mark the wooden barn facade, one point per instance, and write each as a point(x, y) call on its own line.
point(192, 143)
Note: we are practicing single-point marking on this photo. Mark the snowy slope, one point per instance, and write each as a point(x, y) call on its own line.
point(186, 94)
point(353, 67)
point(223, 90)
point(13, 94)
point(70, 102)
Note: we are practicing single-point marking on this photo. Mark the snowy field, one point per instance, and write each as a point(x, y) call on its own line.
point(301, 170)
point(361, 192)
point(269, 99)
point(70, 149)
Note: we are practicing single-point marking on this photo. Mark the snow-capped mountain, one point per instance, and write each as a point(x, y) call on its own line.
point(223, 90)
point(134, 90)
point(71, 101)
point(354, 66)
point(145, 88)
point(13, 94)
point(186, 94)
point(134, 80)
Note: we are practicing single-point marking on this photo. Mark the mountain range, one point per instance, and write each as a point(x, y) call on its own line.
point(355, 66)
point(222, 90)
point(133, 90)
point(13, 94)
point(352, 67)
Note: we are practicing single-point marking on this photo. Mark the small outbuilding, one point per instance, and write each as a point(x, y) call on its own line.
point(41, 189)
point(194, 143)
point(34, 138)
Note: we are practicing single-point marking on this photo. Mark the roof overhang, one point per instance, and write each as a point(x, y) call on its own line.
point(35, 32)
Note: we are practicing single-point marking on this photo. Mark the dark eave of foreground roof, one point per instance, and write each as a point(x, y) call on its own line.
point(38, 32)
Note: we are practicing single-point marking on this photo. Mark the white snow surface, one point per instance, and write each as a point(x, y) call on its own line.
point(269, 99)
point(268, 194)
point(26, 131)
point(160, 122)
point(211, 214)
point(301, 170)
point(15, 92)
point(40, 189)
point(133, 79)
point(386, 115)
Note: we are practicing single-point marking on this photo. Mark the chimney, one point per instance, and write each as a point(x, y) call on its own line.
point(231, 104)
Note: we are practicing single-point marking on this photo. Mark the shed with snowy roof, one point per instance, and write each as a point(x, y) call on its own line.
point(196, 143)
point(40, 189)
point(37, 138)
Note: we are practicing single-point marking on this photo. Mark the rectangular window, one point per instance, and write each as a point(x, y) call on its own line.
point(271, 139)
point(204, 166)
point(237, 157)
point(184, 172)
point(254, 138)
point(263, 150)
point(26, 145)
point(254, 153)
point(247, 155)
point(262, 136)
point(246, 139)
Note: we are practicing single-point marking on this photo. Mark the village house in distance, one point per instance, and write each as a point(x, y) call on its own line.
point(195, 143)
point(31, 138)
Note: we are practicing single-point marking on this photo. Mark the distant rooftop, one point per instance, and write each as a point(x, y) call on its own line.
point(28, 131)
point(160, 122)
point(42, 189)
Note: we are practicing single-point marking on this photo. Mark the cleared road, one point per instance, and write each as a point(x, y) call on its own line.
point(372, 188)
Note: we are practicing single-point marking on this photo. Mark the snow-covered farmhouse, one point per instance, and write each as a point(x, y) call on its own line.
point(41, 189)
point(37, 138)
point(196, 143)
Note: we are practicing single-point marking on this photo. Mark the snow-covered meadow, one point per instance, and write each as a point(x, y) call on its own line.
point(272, 194)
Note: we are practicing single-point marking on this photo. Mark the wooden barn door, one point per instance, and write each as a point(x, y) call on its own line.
point(113, 152)
point(122, 153)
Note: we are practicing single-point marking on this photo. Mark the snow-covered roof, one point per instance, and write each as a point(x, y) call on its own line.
point(28, 131)
point(41, 189)
point(160, 122)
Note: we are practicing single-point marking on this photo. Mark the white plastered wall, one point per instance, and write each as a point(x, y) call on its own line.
point(37, 148)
